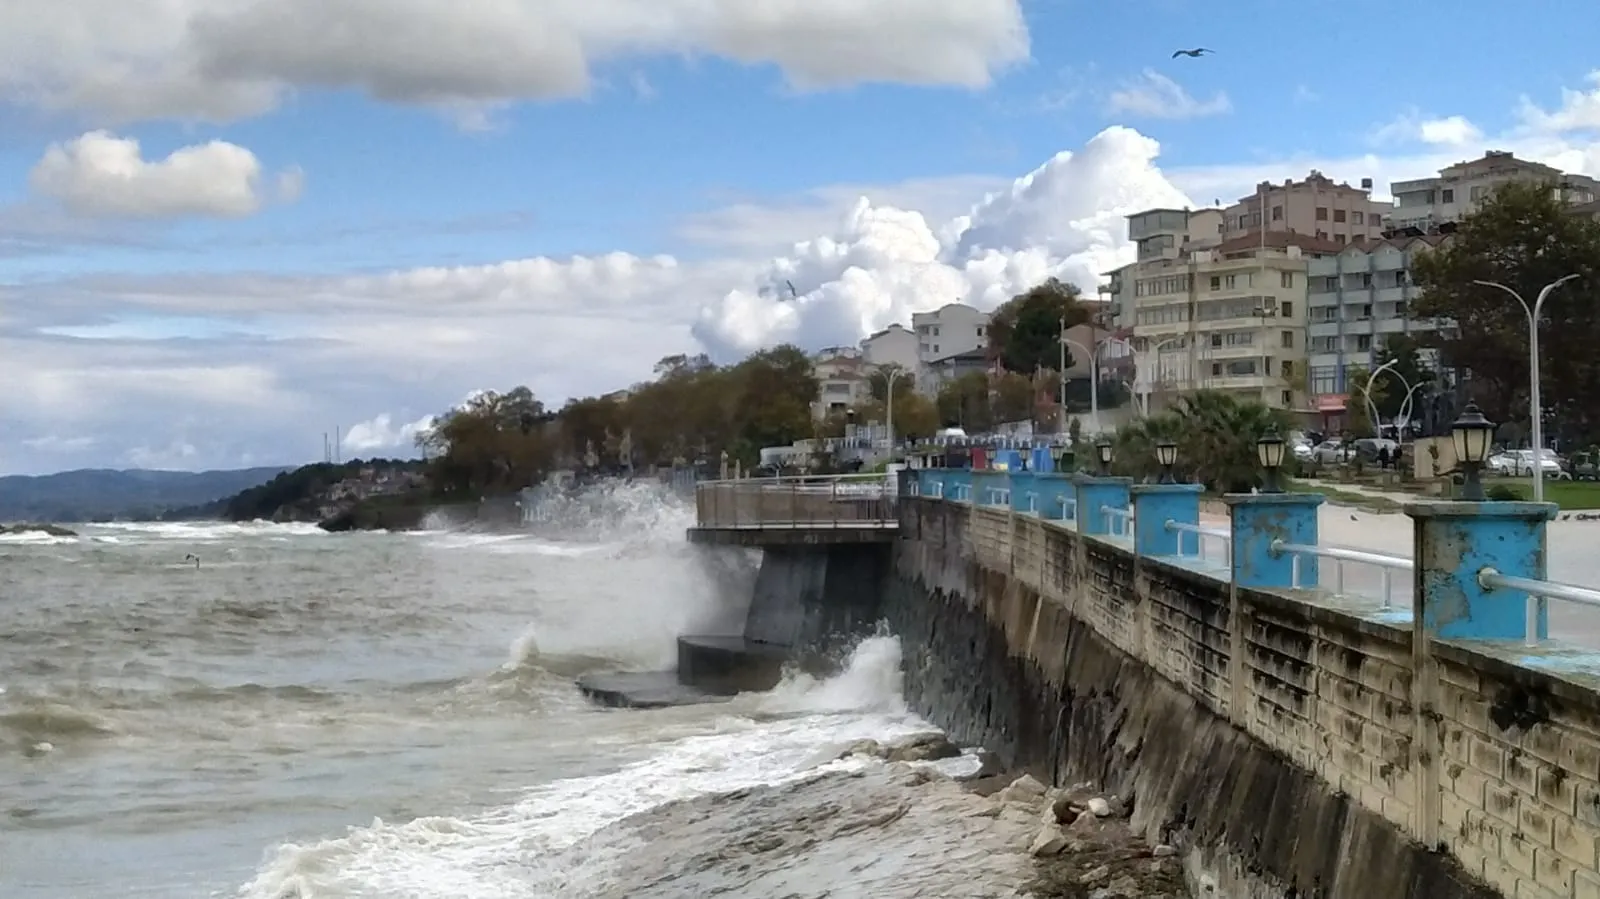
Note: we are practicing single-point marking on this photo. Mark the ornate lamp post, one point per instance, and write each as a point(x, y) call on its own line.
point(1470, 435)
point(1103, 450)
point(1166, 457)
point(1269, 450)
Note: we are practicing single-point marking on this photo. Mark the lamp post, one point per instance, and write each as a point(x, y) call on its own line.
point(1094, 373)
point(1535, 412)
point(1470, 435)
point(1269, 451)
point(890, 375)
point(1166, 456)
point(1103, 450)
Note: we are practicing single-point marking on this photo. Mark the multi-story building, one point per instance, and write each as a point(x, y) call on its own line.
point(842, 375)
point(1356, 301)
point(1316, 207)
point(1426, 203)
point(951, 341)
point(893, 346)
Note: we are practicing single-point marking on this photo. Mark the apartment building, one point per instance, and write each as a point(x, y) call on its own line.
point(1355, 302)
point(952, 341)
point(1315, 206)
point(842, 376)
point(1425, 204)
point(893, 346)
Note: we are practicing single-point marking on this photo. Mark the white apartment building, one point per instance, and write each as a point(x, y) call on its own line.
point(1316, 206)
point(894, 346)
point(842, 380)
point(951, 341)
point(1457, 191)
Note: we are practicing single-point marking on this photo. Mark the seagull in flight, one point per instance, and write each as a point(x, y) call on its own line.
point(1196, 52)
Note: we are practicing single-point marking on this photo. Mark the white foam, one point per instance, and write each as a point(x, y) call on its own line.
point(515, 851)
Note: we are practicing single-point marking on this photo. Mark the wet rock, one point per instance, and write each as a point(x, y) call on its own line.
point(49, 530)
point(862, 747)
point(1163, 851)
point(1025, 790)
point(1099, 807)
point(1049, 841)
point(929, 747)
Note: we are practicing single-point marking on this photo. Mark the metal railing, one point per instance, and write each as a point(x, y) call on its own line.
point(830, 501)
point(1201, 535)
point(1386, 564)
point(1538, 593)
point(1119, 520)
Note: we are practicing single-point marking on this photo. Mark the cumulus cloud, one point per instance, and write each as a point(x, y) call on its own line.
point(1412, 127)
point(381, 433)
point(1155, 96)
point(271, 363)
point(225, 59)
point(100, 175)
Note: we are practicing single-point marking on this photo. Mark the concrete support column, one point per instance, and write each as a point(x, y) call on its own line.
point(1022, 484)
point(1156, 504)
point(1259, 520)
point(1095, 492)
point(1454, 542)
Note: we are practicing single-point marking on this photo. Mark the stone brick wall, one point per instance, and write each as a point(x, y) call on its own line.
point(1459, 769)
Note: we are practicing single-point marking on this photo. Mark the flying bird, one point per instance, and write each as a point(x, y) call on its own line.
point(1196, 52)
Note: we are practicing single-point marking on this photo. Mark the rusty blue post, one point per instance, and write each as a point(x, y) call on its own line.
point(1258, 521)
point(1156, 504)
point(1095, 493)
point(1454, 542)
point(1056, 492)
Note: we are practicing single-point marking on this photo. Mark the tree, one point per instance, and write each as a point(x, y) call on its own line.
point(1523, 237)
point(1358, 420)
point(1408, 371)
point(1025, 332)
point(915, 416)
point(878, 382)
point(1013, 397)
point(493, 443)
point(1216, 434)
point(964, 402)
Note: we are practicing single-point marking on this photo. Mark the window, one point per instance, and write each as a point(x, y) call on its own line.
point(1366, 279)
point(1325, 379)
point(1277, 213)
point(1338, 215)
point(1478, 193)
point(936, 348)
point(1366, 310)
point(1447, 196)
point(1216, 369)
point(1288, 398)
point(1363, 343)
point(1286, 338)
point(1216, 283)
point(1356, 217)
point(980, 330)
point(1288, 309)
point(1286, 279)
point(936, 330)
point(1322, 213)
point(1288, 368)
point(1240, 368)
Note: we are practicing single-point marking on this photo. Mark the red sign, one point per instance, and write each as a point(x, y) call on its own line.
point(1331, 402)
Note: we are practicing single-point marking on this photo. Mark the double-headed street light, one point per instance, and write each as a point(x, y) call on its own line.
point(1535, 411)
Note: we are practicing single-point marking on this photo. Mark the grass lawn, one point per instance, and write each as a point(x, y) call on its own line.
point(1570, 495)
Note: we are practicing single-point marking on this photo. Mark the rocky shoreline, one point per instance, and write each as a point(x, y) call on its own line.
point(49, 530)
point(889, 821)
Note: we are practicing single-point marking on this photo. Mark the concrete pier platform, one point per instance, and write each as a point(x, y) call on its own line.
point(643, 690)
point(730, 665)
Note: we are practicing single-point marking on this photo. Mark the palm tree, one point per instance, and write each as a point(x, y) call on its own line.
point(1216, 434)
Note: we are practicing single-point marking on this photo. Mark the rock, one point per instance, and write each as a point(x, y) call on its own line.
point(928, 747)
point(1049, 841)
point(988, 765)
point(1162, 850)
point(1099, 807)
point(49, 530)
point(1096, 875)
point(1025, 790)
point(862, 747)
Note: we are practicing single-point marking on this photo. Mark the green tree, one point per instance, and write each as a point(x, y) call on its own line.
point(964, 402)
point(1357, 419)
point(878, 382)
point(1216, 434)
point(1014, 397)
point(1025, 332)
point(493, 443)
point(1524, 238)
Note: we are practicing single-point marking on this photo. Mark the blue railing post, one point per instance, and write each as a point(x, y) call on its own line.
point(1257, 521)
point(1021, 483)
point(1454, 541)
point(1094, 492)
point(1055, 491)
point(1156, 504)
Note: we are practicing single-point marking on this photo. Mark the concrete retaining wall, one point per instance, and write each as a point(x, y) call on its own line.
point(1296, 749)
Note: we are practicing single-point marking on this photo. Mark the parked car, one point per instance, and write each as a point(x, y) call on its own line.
point(1550, 465)
point(1331, 452)
point(1584, 466)
point(1501, 464)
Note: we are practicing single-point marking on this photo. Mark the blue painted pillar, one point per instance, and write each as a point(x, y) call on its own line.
point(1454, 541)
point(1022, 484)
point(957, 484)
point(1055, 492)
point(1156, 504)
point(1094, 492)
point(1259, 520)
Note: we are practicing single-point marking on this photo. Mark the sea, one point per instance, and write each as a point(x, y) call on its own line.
point(268, 711)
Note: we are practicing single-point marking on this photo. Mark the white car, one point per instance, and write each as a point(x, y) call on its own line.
point(1501, 463)
point(1331, 452)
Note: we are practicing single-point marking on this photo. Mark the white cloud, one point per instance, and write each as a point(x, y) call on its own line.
point(1412, 127)
point(381, 433)
point(284, 359)
point(1155, 96)
point(224, 59)
point(99, 175)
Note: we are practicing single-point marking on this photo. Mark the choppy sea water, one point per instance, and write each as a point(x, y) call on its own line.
point(312, 715)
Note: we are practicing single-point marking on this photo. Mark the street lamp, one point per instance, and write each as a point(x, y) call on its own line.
point(1166, 456)
point(1103, 450)
point(890, 374)
point(1535, 412)
point(1269, 450)
point(1470, 435)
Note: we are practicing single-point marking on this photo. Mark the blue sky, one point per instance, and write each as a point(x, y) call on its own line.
point(360, 234)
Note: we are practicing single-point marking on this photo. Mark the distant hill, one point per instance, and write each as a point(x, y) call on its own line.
point(98, 494)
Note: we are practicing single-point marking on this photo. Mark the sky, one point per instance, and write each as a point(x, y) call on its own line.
point(228, 227)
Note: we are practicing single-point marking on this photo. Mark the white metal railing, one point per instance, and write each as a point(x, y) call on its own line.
point(1033, 501)
point(1069, 508)
point(1119, 520)
point(1386, 564)
point(1201, 535)
point(1538, 593)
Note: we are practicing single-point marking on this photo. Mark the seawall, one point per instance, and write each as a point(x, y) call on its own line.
point(1292, 749)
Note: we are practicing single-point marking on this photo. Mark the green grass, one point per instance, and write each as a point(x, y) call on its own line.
point(1570, 495)
point(1348, 498)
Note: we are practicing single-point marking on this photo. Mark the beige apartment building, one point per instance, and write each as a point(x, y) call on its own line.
point(1424, 204)
point(1316, 207)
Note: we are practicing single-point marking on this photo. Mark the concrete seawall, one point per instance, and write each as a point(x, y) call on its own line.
point(1293, 750)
